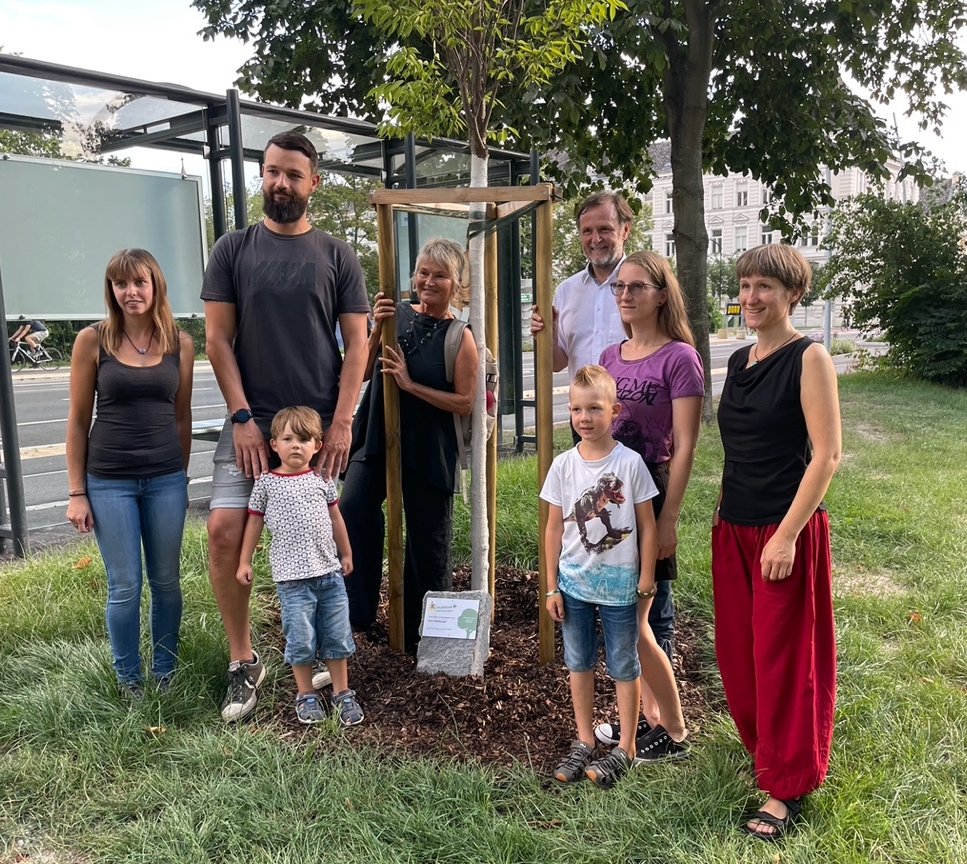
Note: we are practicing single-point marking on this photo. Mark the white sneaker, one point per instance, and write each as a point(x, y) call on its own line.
point(321, 676)
point(241, 696)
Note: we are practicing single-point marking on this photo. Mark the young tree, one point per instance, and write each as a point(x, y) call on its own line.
point(472, 54)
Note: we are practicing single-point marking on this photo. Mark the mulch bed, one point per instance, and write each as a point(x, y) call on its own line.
point(519, 710)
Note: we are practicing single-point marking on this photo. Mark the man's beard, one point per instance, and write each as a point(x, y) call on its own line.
point(286, 210)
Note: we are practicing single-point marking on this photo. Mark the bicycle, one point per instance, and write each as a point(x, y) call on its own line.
point(45, 358)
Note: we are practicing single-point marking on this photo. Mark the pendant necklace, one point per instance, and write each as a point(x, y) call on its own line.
point(406, 340)
point(755, 353)
point(141, 351)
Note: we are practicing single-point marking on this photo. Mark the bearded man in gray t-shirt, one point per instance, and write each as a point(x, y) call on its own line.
point(274, 293)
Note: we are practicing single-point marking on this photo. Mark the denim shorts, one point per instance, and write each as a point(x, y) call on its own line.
point(581, 644)
point(315, 619)
point(230, 487)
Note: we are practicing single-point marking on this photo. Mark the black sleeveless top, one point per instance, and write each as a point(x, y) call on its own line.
point(764, 435)
point(134, 433)
point(428, 442)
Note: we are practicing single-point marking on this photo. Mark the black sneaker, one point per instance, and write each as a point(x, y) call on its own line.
point(609, 734)
point(658, 746)
point(243, 680)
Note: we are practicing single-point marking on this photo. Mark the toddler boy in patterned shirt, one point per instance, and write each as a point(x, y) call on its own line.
point(309, 557)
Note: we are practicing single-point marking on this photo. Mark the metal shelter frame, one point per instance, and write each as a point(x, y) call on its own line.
point(103, 115)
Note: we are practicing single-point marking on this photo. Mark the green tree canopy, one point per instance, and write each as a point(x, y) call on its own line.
point(742, 85)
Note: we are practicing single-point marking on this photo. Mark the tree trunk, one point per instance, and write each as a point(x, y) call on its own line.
point(479, 530)
point(686, 104)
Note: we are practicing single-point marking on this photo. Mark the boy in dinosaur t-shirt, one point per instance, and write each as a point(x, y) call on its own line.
point(600, 548)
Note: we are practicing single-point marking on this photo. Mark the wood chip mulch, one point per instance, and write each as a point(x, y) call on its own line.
point(518, 711)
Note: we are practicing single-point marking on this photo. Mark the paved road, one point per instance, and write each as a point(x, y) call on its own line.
point(41, 405)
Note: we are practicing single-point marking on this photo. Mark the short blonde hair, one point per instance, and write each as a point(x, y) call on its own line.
point(781, 262)
point(453, 258)
point(302, 420)
point(597, 378)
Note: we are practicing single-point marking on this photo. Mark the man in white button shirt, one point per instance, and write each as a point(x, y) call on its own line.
point(585, 315)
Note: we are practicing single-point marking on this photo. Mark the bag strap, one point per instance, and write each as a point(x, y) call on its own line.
point(451, 347)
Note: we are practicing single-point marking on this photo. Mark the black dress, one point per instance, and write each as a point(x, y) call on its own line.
point(428, 449)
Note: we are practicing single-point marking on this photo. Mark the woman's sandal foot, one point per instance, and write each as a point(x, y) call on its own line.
point(775, 828)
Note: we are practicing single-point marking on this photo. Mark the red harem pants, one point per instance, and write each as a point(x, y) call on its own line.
point(776, 649)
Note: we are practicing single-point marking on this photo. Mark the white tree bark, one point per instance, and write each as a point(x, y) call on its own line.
point(479, 532)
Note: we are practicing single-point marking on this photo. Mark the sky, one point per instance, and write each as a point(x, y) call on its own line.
point(157, 40)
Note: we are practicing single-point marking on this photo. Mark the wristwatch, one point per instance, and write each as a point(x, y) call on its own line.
point(243, 415)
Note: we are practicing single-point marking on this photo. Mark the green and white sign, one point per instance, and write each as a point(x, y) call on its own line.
point(451, 619)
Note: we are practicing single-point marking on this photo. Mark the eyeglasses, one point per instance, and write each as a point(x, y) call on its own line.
point(618, 288)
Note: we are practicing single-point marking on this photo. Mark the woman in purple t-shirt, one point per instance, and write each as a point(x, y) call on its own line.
point(661, 385)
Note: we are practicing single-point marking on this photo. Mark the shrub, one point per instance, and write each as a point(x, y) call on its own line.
point(902, 269)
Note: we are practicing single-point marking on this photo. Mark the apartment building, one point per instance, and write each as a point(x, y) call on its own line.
point(733, 202)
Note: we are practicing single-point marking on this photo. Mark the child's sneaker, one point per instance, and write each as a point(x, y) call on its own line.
point(658, 746)
point(347, 708)
point(243, 681)
point(308, 709)
point(572, 766)
point(609, 734)
point(608, 770)
point(321, 676)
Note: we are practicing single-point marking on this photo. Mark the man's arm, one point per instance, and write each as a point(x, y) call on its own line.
point(537, 325)
point(335, 448)
point(250, 453)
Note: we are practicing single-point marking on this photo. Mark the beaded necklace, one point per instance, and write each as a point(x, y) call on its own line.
point(406, 340)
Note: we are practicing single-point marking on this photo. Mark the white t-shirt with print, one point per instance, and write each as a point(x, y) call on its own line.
point(599, 553)
point(296, 512)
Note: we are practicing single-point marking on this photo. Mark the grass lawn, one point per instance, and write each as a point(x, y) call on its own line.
point(83, 778)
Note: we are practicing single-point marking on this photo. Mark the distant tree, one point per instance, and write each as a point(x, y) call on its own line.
point(30, 143)
point(902, 269)
point(722, 281)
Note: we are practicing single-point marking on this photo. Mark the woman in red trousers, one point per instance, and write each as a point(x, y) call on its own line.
point(771, 568)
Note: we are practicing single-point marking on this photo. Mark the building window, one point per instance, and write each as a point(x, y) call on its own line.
point(766, 235)
point(715, 243)
point(717, 197)
point(669, 245)
point(742, 195)
point(768, 196)
point(669, 209)
point(741, 238)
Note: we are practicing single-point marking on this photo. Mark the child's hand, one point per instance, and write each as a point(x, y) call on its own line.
point(555, 607)
point(347, 565)
point(244, 574)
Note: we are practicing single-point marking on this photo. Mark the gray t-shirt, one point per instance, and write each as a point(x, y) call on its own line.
point(288, 294)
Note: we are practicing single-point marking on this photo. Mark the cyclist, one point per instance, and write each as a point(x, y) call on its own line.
point(33, 333)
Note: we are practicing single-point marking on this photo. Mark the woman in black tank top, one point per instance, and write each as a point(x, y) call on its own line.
point(771, 568)
point(126, 473)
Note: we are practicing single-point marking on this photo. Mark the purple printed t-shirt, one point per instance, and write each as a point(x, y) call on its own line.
point(646, 389)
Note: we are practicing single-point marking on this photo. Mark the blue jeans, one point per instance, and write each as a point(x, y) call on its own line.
point(129, 513)
point(661, 617)
point(315, 619)
point(581, 645)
